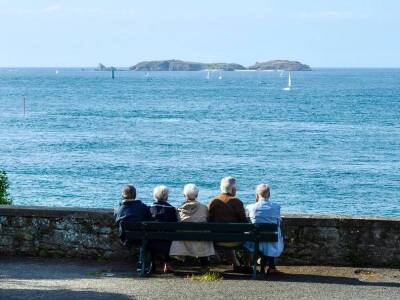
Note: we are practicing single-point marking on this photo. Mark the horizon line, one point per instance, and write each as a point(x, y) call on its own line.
point(125, 67)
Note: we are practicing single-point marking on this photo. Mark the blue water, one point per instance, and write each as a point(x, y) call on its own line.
point(330, 145)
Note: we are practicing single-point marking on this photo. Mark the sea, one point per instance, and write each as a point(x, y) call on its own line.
point(330, 145)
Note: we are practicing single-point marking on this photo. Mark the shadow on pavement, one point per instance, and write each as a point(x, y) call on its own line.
point(310, 278)
point(300, 278)
point(10, 294)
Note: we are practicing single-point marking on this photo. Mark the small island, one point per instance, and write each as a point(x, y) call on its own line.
point(102, 67)
point(284, 65)
point(180, 65)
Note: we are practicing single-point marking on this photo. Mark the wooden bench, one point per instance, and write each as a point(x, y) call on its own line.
point(216, 232)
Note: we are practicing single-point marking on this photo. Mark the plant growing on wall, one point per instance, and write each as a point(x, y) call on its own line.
point(4, 196)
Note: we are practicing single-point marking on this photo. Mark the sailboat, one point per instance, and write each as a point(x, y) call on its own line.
point(147, 75)
point(208, 75)
point(220, 76)
point(289, 85)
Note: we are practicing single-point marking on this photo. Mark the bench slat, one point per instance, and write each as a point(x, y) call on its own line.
point(212, 227)
point(203, 236)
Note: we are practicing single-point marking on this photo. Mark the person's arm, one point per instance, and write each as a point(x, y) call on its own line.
point(211, 210)
point(148, 214)
point(241, 212)
point(175, 215)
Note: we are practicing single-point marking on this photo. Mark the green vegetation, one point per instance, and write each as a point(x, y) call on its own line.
point(206, 277)
point(4, 196)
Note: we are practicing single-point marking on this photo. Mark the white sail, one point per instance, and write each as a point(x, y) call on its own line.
point(208, 75)
point(220, 76)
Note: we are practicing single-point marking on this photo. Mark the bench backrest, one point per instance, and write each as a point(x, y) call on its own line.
point(200, 231)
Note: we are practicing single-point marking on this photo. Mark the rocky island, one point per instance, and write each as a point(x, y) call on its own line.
point(286, 65)
point(102, 67)
point(180, 65)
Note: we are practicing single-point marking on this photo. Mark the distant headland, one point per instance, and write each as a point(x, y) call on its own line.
point(285, 65)
point(180, 65)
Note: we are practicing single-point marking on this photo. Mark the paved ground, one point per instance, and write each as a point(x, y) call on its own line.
point(62, 279)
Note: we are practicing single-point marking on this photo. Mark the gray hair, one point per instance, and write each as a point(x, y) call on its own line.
point(160, 193)
point(228, 184)
point(191, 191)
point(263, 191)
point(128, 192)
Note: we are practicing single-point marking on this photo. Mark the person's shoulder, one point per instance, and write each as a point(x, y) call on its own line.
point(274, 204)
point(202, 205)
point(236, 200)
point(166, 205)
point(214, 201)
point(142, 204)
point(170, 205)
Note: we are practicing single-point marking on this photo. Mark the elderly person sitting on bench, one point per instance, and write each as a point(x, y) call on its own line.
point(226, 208)
point(130, 210)
point(162, 211)
point(193, 211)
point(265, 211)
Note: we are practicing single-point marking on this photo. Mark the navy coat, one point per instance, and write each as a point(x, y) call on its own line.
point(131, 211)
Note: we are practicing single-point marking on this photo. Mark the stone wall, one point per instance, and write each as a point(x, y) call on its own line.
point(90, 233)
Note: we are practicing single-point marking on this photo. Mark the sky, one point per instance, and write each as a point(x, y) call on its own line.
point(341, 33)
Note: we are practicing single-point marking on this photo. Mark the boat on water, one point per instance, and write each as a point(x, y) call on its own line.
point(208, 75)
point(220, 76)
point(147, 74)
point(289, 86)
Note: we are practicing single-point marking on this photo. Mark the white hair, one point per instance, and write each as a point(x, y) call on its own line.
point(191, 191)
point(228, 184)
point(263, 191)
point(160, 193)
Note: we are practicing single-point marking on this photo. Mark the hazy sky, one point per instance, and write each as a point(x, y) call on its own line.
point(341, 33)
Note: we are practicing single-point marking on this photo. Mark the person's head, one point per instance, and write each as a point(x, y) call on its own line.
point(262, 192)
point(228, 185)
point(190, 191)
point(160, 193)
point(128, 192)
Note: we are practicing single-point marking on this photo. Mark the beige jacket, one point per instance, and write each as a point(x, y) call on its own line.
point(192, 211)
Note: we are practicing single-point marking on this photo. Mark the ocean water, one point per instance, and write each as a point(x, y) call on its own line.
point(330, 145)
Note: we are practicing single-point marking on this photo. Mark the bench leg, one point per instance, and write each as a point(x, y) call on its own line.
point(255, 256)
point(143, 258)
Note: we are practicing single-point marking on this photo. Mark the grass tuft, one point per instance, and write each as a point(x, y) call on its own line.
point(206, 277)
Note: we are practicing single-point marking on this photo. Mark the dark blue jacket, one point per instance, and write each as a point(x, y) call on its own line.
point(133, 211)
point(163, 212)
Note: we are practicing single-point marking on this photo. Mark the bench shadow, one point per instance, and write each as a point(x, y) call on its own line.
point(300, 278)
point(58, 294)
point(326, 279)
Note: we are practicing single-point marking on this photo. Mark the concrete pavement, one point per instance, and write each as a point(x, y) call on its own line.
point(24, 278)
